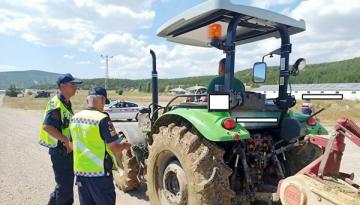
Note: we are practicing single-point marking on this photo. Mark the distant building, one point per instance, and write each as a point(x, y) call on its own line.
point(350, 91)
point(27, 91)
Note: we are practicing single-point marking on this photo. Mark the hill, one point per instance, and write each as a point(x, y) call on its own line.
point(346, 71)
point(26, 79)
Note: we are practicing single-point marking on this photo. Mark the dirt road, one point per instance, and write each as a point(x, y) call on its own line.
point(26, 175)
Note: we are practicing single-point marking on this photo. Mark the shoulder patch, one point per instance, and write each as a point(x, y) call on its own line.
point(111, 129)
point(55, 115)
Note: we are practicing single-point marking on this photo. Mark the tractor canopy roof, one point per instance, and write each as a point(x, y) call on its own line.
point(191, 27)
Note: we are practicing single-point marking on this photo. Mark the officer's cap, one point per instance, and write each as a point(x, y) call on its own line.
point(66, 78)
point(99, 91)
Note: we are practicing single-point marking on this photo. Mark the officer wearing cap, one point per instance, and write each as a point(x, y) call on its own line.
point(95, 141)
point(55, 135)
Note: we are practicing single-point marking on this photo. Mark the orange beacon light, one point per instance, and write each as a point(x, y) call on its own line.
point(214, 31)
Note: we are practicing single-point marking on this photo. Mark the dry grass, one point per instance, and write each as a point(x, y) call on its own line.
point(333, 109)
point(79, 100)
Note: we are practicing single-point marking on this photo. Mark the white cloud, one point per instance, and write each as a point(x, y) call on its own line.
point(72, 23)
point(4, 67)
point(268, 3)
point(106, 26)
point(332, 32)
point(68, 56)
point(83, 62)
point(118, 43)
point(132, 4)
point(331, 35)
point(132, 58)
point(12, 22)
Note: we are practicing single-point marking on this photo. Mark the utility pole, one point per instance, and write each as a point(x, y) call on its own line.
point(106, 69)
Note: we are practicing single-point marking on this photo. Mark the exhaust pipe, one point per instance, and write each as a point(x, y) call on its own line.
point(154, 88)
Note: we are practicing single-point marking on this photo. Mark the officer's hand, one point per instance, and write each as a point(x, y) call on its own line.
point(69, 146)
point(117, 148)
point(126, 146)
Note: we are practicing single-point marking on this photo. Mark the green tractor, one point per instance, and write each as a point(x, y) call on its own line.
point(237, 146)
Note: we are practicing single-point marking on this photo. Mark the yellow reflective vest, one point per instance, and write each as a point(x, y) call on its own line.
point(45, 138)
point(88, 147)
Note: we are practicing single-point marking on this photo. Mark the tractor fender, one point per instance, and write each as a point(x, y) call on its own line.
point(208, 124)
point(316, 129)
point(133, 134)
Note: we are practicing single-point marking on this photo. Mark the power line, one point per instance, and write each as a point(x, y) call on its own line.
point(106, 69)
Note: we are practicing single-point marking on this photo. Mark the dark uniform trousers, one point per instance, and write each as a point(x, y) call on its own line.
point(96, 190)
point(64, 177)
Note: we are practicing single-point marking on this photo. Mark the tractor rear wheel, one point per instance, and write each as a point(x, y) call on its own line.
point(126, 176)
point(184, 168)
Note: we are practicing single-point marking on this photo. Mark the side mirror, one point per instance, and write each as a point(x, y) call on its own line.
point(259, 72)
point(298, 65)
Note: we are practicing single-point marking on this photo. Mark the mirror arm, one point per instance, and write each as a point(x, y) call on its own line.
point(274, 52)
point(265, 56)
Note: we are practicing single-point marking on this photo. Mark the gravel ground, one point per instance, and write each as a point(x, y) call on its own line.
point(26, 175)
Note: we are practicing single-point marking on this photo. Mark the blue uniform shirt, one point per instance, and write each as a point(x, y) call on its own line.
point(53, 117)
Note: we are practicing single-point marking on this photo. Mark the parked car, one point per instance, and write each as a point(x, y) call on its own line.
point(42, 94)
point(198, 91)
point(120, 110)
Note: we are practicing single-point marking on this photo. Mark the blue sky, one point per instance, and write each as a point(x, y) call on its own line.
point(70, 35)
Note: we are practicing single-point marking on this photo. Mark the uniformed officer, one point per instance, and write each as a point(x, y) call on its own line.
point(95, 141)
point(55, 135)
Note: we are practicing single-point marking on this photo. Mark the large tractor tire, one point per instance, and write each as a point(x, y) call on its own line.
point(126, 176)
point(183, 168)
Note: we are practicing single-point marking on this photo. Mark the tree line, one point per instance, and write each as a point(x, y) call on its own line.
point(347, 71)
